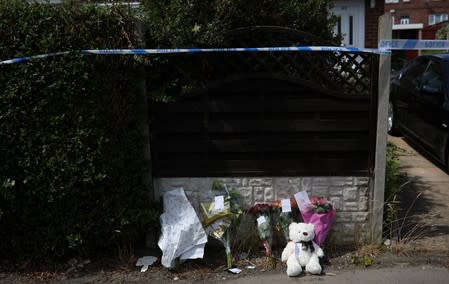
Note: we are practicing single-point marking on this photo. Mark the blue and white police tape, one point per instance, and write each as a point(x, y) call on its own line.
point(202, 50)
point(40, 56)
point(385, 47)
point(238, 49)
point(413, 44)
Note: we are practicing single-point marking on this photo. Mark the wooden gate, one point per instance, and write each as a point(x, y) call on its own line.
point(267, 114)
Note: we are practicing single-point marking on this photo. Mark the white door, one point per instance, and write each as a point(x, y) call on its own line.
point(351, 22)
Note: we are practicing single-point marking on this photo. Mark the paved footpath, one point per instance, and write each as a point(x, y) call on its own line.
point(427, 197)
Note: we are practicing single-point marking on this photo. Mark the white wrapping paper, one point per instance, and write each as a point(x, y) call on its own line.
point(182, 234)
point(145, 262)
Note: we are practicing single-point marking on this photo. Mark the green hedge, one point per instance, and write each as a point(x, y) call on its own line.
point(71, 164)
point(199, 23)
point(71, 154)
point(196, 23)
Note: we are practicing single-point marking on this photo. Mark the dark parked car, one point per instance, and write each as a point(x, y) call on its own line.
point(419, 104)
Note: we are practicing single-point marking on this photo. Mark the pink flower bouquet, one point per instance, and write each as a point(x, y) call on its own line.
point(321, 214)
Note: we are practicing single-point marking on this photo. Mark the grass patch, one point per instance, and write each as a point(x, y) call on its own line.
point(365, 255)
point(394, 183)
point(399, 230)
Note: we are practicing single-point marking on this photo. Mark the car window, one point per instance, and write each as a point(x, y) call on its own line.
point(411, 78)
point(432, 79)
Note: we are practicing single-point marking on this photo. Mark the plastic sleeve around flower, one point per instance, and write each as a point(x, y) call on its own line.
point(285, 219)
point(265, 229)
point(216, 223)
point(209, 215)
point(322, 222)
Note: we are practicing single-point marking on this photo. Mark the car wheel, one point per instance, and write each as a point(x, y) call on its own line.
point(392, 127)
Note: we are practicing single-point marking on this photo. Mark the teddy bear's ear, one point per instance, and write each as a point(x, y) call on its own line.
point(311, 228)
point(290, 227)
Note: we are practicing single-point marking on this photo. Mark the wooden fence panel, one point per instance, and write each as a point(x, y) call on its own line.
point(263, 127)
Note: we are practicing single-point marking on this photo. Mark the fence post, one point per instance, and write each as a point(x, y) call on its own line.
point(143, 116)
point(378, 186)
point(143, 124)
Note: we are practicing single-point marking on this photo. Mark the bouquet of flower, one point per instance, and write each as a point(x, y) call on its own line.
point(320, 213)
point(222, 217)
point(285, 217)
point(264, 228)
point(319, 204)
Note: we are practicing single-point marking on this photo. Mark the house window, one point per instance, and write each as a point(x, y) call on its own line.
point(391, 1)
point(405, 20)
point(437, 18)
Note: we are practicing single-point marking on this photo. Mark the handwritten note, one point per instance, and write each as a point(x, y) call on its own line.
point(286, 206)
point(298, 249)
point(261, 220)
point(302, 199)
point(219, 203)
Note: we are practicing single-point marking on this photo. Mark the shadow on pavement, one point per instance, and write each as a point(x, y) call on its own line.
point(423, 215)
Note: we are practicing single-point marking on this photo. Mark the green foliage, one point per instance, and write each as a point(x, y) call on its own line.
point(71, 164)
point(443, 33)
point(29, 28)
point(198, 23)
point(392, 174)
point(194, 23)
point(364, 260)
point(366, 254)
point(394, 183)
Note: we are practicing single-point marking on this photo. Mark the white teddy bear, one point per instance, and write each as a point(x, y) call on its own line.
point(302, 251)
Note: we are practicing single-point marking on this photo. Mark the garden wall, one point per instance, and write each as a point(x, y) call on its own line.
point(349, 194)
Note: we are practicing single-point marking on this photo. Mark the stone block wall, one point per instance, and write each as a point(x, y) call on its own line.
point(350, 195)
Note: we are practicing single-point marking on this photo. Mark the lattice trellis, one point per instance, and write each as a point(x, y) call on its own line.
point(341, 72)
point(265, 113)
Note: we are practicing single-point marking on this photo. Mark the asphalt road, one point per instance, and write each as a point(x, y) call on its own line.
point(398, 274)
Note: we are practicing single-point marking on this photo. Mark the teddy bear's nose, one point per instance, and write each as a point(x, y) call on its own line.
point(305, 233)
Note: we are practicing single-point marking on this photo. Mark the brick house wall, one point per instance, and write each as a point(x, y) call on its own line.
point(429, 32)
point(371, 22)
point(417, 10)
